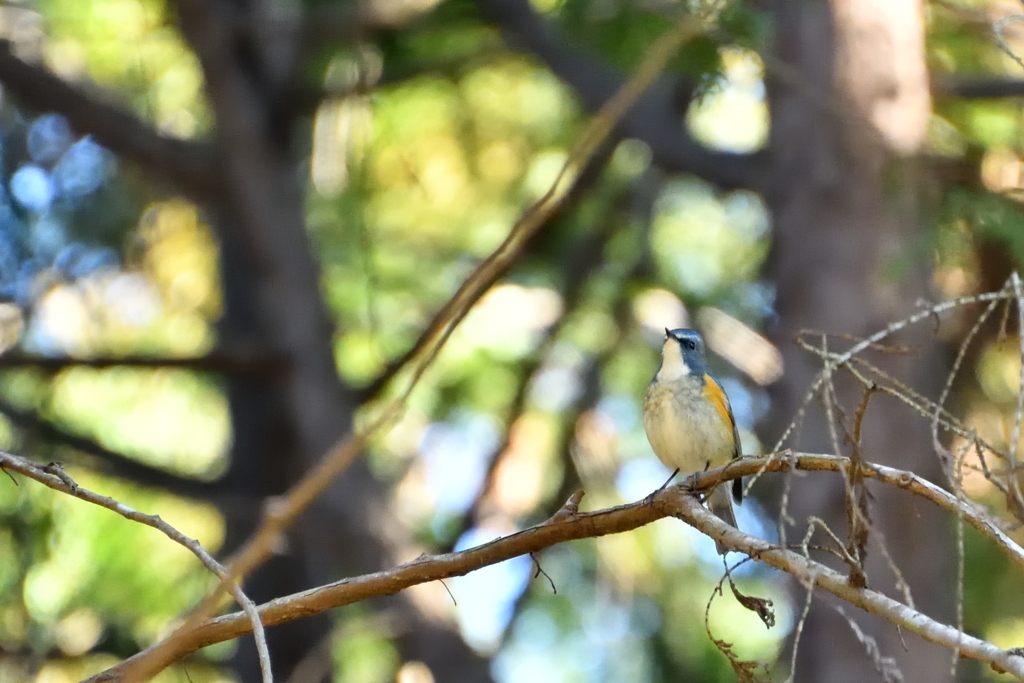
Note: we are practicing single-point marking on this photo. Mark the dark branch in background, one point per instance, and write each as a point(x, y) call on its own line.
point(977, 88)
point(306, 100)
point(221, 362)
point(655, 119)
point(346, 22)
point(187, 165)
point(117, 464)
point(587, 177)
point(291, 40)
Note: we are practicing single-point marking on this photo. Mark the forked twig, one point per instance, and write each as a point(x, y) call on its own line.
point(53, 476)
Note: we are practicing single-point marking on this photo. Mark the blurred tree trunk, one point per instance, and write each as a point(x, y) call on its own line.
point(286, 420)
point(848, 94)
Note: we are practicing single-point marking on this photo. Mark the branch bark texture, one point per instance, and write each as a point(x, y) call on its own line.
point(569, 524)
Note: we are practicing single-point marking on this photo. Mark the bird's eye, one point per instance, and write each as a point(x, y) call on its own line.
point(692, 344)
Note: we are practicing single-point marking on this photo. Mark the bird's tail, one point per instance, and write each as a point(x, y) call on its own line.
point(720, 503)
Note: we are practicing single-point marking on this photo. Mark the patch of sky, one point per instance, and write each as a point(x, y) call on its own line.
point(638, 478)
point(628, 660)
point(748, 405)
point(646, 617)
point(747, 214)
point(757, 297)
point(535, 629)
point(9, 261)
point(82, 169)
point(623, 411)
point(517, 664)
point(455, 455)
point(487, 597)
point(32, 187)
point(77, 260)
point(558, 383)
point(605, 623)
point(750, 519)
point(48, 137)
point(573, 659)
point(554, 388)
point(47, 237)
point(134, 298)
point(24, 290)
point(11, 227)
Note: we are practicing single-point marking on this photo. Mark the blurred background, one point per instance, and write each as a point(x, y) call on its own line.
point(217, 242)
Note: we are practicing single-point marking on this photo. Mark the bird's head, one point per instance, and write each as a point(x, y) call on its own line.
point(682, 354)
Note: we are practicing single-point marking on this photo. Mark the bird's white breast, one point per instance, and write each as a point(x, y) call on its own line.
point(684, 429)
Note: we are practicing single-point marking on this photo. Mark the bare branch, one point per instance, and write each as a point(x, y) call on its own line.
point(569, 524)
point(977, 87)
point(784, 462)
point(53, 476)
point(189, 166)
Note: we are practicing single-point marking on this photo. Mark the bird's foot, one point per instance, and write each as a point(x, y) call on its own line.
point(649, 500)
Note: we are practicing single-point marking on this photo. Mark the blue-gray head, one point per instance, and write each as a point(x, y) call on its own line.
point(682, 354)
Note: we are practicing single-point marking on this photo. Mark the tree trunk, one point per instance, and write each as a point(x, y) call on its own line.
point(848, 92)
point(285, 421)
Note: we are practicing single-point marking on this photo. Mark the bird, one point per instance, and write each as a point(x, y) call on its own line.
point(689, 421)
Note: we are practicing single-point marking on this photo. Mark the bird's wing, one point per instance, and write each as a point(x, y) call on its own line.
point(714, 392)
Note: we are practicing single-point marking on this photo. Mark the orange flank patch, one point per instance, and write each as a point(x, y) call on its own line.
point(714, 393)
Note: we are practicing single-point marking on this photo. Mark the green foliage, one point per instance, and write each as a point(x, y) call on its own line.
point(131, 46)
point(410, 187)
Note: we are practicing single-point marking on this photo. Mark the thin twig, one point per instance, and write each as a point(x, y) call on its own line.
point(1016, 503)
point(997, 31)
point(951, 377)
point(53, 476)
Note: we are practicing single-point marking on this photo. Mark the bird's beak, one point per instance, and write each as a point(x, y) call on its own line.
point(667, 333)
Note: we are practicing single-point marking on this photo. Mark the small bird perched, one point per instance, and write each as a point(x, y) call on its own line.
point(688, 419)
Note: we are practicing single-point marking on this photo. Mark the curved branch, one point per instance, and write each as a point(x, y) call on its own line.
point(53, 476)
point(654, 119)
point(977, 87)
point(810, 462)
point(189, 166)
point(570, 524)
